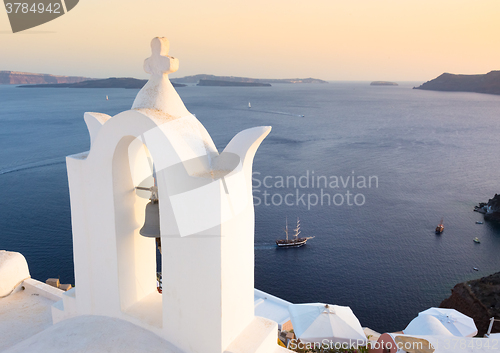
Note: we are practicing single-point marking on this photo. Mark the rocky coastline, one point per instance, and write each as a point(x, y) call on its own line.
point(479, 299)
point(490, 209)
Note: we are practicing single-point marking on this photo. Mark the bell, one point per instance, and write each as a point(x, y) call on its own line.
point(151, 227)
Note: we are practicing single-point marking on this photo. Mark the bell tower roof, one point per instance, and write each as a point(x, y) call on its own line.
point(158, 93)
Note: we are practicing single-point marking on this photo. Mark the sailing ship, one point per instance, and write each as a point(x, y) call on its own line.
point(249, 105)
point(295, 241)
point(440, 227)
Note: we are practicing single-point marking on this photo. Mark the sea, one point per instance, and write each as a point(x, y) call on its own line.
point(369, 171)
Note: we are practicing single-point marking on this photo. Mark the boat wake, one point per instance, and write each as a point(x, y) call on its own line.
point(33, 165)
point(275, 112)
point(268, 246)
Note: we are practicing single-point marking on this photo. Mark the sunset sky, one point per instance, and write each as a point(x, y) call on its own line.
point(398, 40)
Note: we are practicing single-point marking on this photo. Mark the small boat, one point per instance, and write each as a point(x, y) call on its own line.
point(475, 269)
point(479, 222)
point(440, 227)
point(476, 240)
point(295, 242)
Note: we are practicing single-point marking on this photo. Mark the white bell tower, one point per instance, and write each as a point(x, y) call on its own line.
point(206, 224)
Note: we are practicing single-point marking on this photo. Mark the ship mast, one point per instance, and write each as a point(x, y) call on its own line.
point(286, 229)
point(297, 229)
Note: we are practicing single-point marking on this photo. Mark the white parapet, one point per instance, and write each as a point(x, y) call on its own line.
point(13, 271)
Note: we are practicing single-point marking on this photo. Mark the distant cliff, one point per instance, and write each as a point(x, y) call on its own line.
point(197, 78)
point(488, 83)
point(383, 83)
point(232, 83)
point(479, 299)
point(113, 82)
point(25, 78)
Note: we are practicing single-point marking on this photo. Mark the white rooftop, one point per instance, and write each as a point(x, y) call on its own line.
point(27, 313)
point(93, 334)
point(271, 307)
point(26, 325)
point(23, 314)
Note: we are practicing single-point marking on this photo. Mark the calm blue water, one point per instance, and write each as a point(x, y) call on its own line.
point(434, 155)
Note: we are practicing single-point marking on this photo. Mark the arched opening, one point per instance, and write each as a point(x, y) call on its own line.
point(136, 255)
